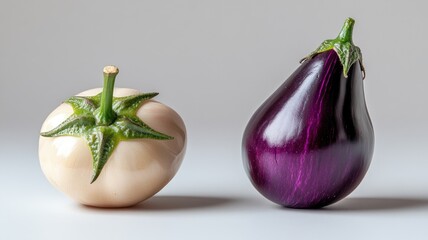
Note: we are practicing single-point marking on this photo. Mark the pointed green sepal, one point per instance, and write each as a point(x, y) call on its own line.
point(131, 129)
point(123, 105)
point(347, 52)
point(75, 125)
point(102, 143)
point(82, 104)
point(95, 99)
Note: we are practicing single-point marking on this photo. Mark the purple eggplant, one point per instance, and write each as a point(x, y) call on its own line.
point(311, 143)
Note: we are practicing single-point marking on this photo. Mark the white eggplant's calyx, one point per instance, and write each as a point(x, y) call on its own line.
point(103, 121)
point(343, 45)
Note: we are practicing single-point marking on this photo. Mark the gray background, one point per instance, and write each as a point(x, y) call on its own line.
point(214, 62)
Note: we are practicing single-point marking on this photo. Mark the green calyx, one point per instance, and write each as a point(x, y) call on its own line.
point(103, 121)
point(344, 47)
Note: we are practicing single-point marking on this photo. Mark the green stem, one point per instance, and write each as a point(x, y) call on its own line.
point(106, 115)
point(345, 34)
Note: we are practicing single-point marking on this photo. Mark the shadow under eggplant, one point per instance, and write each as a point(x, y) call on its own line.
point(167, 203)
point(378, 204)
point(173, 203)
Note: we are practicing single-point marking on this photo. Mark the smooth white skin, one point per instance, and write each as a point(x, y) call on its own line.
point(135, 171)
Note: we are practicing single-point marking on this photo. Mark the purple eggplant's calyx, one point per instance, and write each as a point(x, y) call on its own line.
point(344, 47)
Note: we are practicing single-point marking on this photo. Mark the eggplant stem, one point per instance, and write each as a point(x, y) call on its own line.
point(106, 115)
point(345, 34)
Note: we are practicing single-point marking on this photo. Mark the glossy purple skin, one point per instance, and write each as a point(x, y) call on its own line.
point(311, 143)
